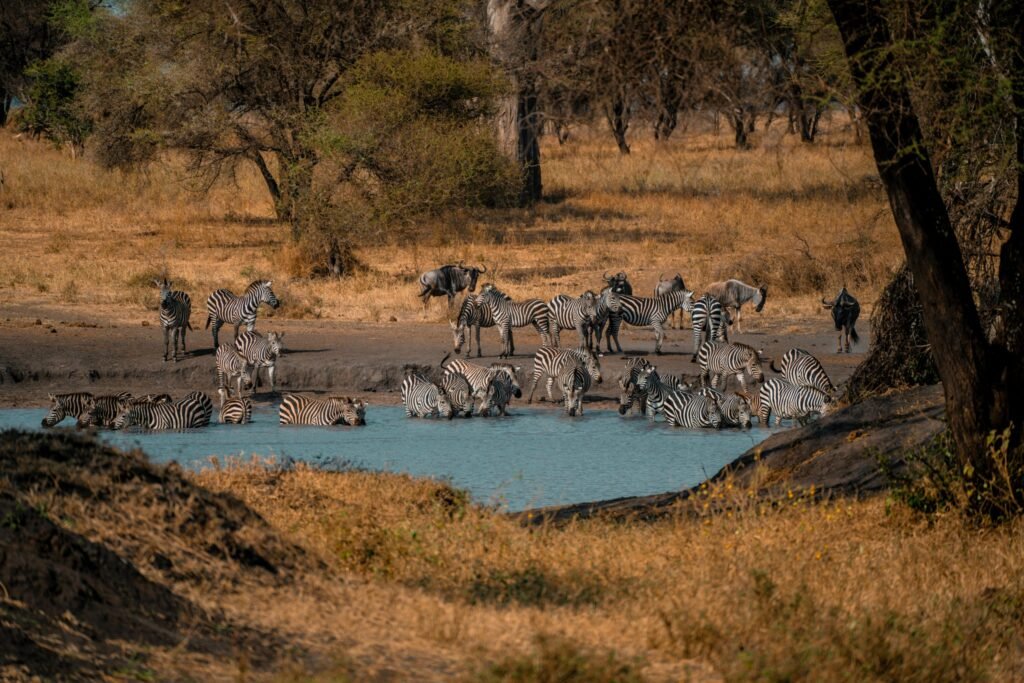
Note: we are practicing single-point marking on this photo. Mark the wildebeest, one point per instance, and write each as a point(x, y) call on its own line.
point(845, 310)
point(733, 294)
point(619, 283)
point(676, 284)
point(448, 281)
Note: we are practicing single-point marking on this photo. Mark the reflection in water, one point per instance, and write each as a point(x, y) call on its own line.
point(531, 458)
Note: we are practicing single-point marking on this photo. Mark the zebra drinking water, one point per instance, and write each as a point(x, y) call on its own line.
point(224, 307)
point(800, 368)
point(736, 411)
point(548, 362)
point(175, 310)
point(567, 312)
point(718, 360)
point(191, 412)
point(66, 405)
point(508, 314)
point(497, 394)
point(478, 375)
point(299, 409)
point(574, 381)
point(473, 315)
point(260, 352)
point(692, 410)
point(423, 398)
point(232, 366)
point(460, 394)
point(708, 322)
point(786, 400)
point(733, 294)
point(649, 312)
point(101, 411)
point(236, 411)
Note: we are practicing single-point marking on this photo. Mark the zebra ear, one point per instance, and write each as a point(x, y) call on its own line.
point(52, 397)
point(269, 282)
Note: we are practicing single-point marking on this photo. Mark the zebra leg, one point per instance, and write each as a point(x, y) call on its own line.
point(270, 372)
point(533, 384)
point(174, 338)
point(549, 384)
point(739, 328)
point(215, 328)
point(556, 334)
point(659, 335)
point(167, 341)
point(237, 326)
point(479, 353)
point(764, 413)
point(741, 380)
point(184, 329)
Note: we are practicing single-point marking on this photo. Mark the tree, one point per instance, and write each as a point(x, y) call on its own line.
point(983, 379)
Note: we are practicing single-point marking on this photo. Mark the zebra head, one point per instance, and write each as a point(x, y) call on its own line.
point(58, 411)
point(646, 377)
point(459, 330)
point(754, 362)
point(591, 362)
point(510, 371)
point(262, 291)
point(165, 289)
point(760, 297)
point(444, 405)
point(126, 418)
point(274, 340)
point(90, 415)
point(712, 412)
point(743, 410)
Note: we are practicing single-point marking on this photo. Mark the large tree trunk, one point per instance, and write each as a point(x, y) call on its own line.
point(6, 99)
point(978, 389)
point(618, 121)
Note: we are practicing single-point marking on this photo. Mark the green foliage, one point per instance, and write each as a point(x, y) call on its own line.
point(74, 18)
point(51, 111)
point(558, 660)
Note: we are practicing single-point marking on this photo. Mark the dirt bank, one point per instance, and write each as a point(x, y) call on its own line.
point(59, 349)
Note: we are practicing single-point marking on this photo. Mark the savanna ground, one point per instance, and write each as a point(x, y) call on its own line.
point(407, 579)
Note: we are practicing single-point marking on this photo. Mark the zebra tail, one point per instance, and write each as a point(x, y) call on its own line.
point(445, 359)
point(772, 366)
point(209, 319)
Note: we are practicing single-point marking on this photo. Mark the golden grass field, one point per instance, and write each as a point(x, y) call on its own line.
point(803, 219)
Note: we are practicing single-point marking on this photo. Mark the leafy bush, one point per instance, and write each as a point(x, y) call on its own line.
point(51, 111)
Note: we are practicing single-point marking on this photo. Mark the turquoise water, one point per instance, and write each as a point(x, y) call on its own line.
point(529, 459)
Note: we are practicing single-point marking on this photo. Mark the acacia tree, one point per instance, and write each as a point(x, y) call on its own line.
point(983, 377)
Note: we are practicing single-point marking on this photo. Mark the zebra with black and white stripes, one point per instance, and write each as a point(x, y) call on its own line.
point(66, 405)
point(497, 394)
point(649, 312)
point(300, 409)
point(631, 394)
point(718, 360)
point(191, 412)
point(423, 398)
point(801, 368)
point(260, 352)
point(224, 307)
point(236, 410)
point(473, 315)
point(567, 312)
point(693, 411)
point(574, 381)
point(549, 361)
point(101, 411)
point(785, 400)
point(708, 321)
point(232, 367)
point(656, 390)
point(606, 307)
point(479, 375)
point(460, 394)
point(508, 314)
point(175, 311)
point(736, 411)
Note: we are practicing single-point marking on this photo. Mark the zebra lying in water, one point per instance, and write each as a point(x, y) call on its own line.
point(717, 361)
point(260, 353)
point(633, 394)
point(801, 368)
point(224, 307)
point(423, 398)
point(299, 409)
point(191, 412)
point(236, 411)
point(549, 362)
point(786, 400)
point(232, 367)
point(175, 311)
point(675, 403)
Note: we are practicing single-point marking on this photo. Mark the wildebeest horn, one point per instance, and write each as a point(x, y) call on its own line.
point(461, 262)
point(606, 278)
point(661, 277)
point(826, 303)
point(482, 269)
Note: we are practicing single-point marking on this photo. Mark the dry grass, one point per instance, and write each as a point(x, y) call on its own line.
point(803, 219)
point(799, 590)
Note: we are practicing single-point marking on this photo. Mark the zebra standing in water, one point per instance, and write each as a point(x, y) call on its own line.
point(694, 412)
point(190, 412)
point(297, 409)
point(736, 411)
point(566, 312)
point(574, 381)
point(786, 400)
point(232, 366)
point(708, 322)
point(66, 405)
point(236, 411)
point(717, 361)
point(801, 369)
point(733, 294)
point(460, 394)
point(101, 411)
point(473, 315)
point(497, 394)
point(649, 312)
point(478, 375)
point(508, 314)
point(631, 391)
point(260, 353)
point(224, 307)
point(548, 362)
point(175, 310)
point(423, 398)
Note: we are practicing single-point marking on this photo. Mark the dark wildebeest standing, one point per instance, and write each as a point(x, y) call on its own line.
point(845, 311)
point(448, 281)
point(619, 283)
point(663, 287)
point(733, 294)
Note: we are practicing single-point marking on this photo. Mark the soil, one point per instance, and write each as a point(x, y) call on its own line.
point(58, 349)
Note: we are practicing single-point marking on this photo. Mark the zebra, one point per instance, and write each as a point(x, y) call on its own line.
point(708, 321)
point(232, 366)
point(260, 353)
point(733, 294)
point(566, 312)
point(802, 369)
point(224, 307)
point(649, 312)
point(718, 360)
point(845, 311)
point(508, 314)
point(236, 411)
point(498, 393)
point(606, 308)
point(460, 394)
point(656, 390)
point(448, 281)
point(574, 380)
point(151, 398)
point(627, 383)
point(175, 311)
point(477, 375)
point(423, 398)
point(191, 412)
point(736, 411)
point(66, 405)
point(790, 401)
point(101, 411)
point(473, 315)
point(663, 287)
point(299, 409)
point(549, 361)
point(692, 410)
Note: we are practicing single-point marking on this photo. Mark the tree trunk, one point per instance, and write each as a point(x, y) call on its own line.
point(270, 180)
point(977, 389)
point(618, 120)
point(739, 126)
point(6, 99)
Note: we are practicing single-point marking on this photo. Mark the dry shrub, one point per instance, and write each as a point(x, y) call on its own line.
point(558, 660)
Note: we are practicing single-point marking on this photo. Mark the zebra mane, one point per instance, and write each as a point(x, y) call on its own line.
point(747, 347)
